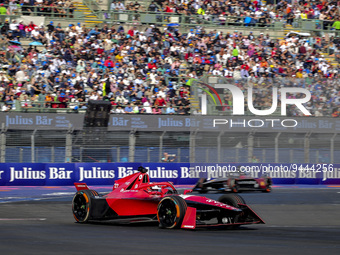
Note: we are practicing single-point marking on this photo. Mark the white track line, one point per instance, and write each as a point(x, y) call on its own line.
point(59, 194)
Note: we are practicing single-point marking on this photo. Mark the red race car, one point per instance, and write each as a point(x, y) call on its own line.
point(136, 199)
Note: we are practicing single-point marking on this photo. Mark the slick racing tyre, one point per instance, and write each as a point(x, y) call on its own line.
point(268, 186)
point(267, 189)
point(81, 205)
point(232, 199)
point(235, 188)
point(171, 211)
point(200, 185)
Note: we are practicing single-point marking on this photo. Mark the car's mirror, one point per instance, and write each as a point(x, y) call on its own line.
point(187, 191)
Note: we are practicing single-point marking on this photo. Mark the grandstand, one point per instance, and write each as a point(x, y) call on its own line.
point(186, 50)
point(148, 57)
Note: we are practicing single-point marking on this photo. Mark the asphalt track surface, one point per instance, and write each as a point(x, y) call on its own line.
point(298, 221)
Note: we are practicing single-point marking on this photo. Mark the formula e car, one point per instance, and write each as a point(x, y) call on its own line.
point(136, 199)
point(234, 182)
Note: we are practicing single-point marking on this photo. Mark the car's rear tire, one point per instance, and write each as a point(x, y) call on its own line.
point(268, 186)
point(171, 211)
point(200, 185)
point(235, 188)
point(267, 189)
point(81, 205)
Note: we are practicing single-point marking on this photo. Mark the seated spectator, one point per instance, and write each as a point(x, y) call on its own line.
point(26, 102)
point(181, 110)
point(48, 100)
point(128, 109)
point(153, 7)
point(6, 107)
point(170, 110)
point(12, 7)
point(156, 110)
point(3, 10)
point(63, 100)
point(147, 108)
point(135, 108)
point(119, 109)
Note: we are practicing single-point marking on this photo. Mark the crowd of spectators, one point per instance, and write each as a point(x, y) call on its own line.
point(247, 12)
point(252, 12)
point(149, 70)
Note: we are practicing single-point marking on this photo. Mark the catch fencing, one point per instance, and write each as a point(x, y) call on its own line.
point(101, 145)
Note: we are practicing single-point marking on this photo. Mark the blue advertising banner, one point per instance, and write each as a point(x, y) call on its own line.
point(102, 173)
point(65, 174)
point(60, 174)
point(23, 174)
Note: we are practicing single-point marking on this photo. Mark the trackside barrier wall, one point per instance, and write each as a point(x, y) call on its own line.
point(62, 174)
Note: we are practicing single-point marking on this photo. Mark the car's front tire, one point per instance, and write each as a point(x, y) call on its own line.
point(232, 199)
point(171, 211)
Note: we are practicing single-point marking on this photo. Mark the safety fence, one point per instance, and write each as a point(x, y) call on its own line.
point(126, 144)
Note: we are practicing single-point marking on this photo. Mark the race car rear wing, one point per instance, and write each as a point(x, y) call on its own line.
point(81, 186)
